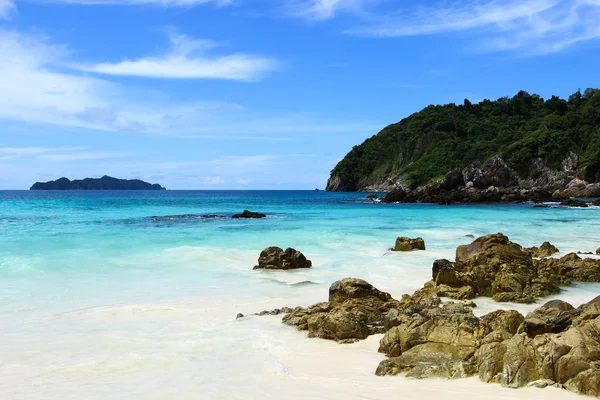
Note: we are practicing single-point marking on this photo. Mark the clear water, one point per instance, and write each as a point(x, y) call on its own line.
point(134, 294)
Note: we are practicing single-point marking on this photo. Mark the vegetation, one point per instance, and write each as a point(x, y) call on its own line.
point(524, 128)
point(104, 183)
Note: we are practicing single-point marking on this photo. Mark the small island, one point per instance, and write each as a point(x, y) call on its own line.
point(104, 183)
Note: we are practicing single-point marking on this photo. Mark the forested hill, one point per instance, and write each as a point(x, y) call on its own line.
point(526, 131)
point(104, 183)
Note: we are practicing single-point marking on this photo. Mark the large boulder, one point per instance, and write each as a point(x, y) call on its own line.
point(553, 317)
point(355, 309)
point(277, 258)
point(395, 196)
point(408, 244)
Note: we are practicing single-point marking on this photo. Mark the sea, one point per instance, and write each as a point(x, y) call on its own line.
point(134, 295)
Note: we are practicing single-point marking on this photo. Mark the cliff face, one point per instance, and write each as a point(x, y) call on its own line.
point(543, 143)
point(104, 183)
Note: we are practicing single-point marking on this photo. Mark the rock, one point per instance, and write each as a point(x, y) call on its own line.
point(408, 244)
point(596, 202)
point(355, 309)
point(372, 196)
point(240, 315)
point(249, 214)
point(553, 317)
point(395, 196)
point(570, 268)
point(276, 258)
point(568, 357)
point(598, 251)
point(545, 250)
point(573, 203)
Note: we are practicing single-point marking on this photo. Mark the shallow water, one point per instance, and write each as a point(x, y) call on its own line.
point(133, 295)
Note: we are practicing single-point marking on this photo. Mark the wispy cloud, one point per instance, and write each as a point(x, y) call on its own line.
point(531, 27)
point(7, 7)
point(27, 151)
point(86, 155)
point(163, 3)
point(188, 59)
point(323, 9)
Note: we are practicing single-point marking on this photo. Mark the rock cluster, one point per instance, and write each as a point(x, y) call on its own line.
point(493, 266)
point(495, 181)
point(408, 244)
point(556, 344)
point(354, 310)
point(277, 258)
point(249, 214)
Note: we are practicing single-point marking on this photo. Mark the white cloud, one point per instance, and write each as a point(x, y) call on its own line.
point(530, 27)
point(324, 9)
point(27, 151)
point(187, 60)
point(87, 155)
point(214, 180)
point(164, 3)
point(7, 7)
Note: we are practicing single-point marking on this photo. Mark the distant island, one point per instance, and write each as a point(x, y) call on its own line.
point(104, 183)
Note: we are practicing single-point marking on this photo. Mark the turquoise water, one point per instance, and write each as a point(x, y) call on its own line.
point(109, 289)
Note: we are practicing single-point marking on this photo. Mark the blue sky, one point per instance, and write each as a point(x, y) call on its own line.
point(259, 94)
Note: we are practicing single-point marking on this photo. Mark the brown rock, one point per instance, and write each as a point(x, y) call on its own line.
point(276, 258)
point(408, 244)
point(545, 250)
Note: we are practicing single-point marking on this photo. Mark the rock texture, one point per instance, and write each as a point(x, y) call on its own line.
point(494, 181)
point(493, 266)
point(545, 250)
point(408, 244)
point(277, 258)
point(249, 215)
point(355, 309)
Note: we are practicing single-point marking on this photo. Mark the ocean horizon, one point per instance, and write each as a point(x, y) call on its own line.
point(135, 294)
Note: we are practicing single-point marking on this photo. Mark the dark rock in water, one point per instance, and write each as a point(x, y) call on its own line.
point(372, 196)
point(249, 214)
point(317, 190)
point(277, 258)
point(598, 251)
point(408, 244)
point(355, 310)
point(104, 183)
point(395, 196)
point(585, 253)
point(545, 250)
point(573, 203)
point(304, 283)
point(596, 202)
point(470, 236)
point(240, 315)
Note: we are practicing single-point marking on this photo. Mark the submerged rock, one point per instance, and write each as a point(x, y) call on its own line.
point(408, 244)
point(573, 203)
point(277, 258)
point(355, 309)
point(372, 196)
point(249, 214)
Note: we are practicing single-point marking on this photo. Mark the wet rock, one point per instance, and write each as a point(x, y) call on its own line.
point(408, 244)
point(277, 258)
point(545, 250)
point(372, 196)
point(355, 309)
point(596, 202)
point(248, 215)
point(573, 203)
point(598, 251)
point(553, 317)
point(570, 268)
point(240, 315)
point(395, 196)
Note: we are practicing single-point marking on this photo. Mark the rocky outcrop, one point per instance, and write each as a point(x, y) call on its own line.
point(563, 349)
point(248, 215)
point(372, 196)
point(277, 258)
point(355, 309)
point(598, 251)
point(494, 181)
point(545, 250)
point(493, 266)
point(596, 203)
point(408, 244)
